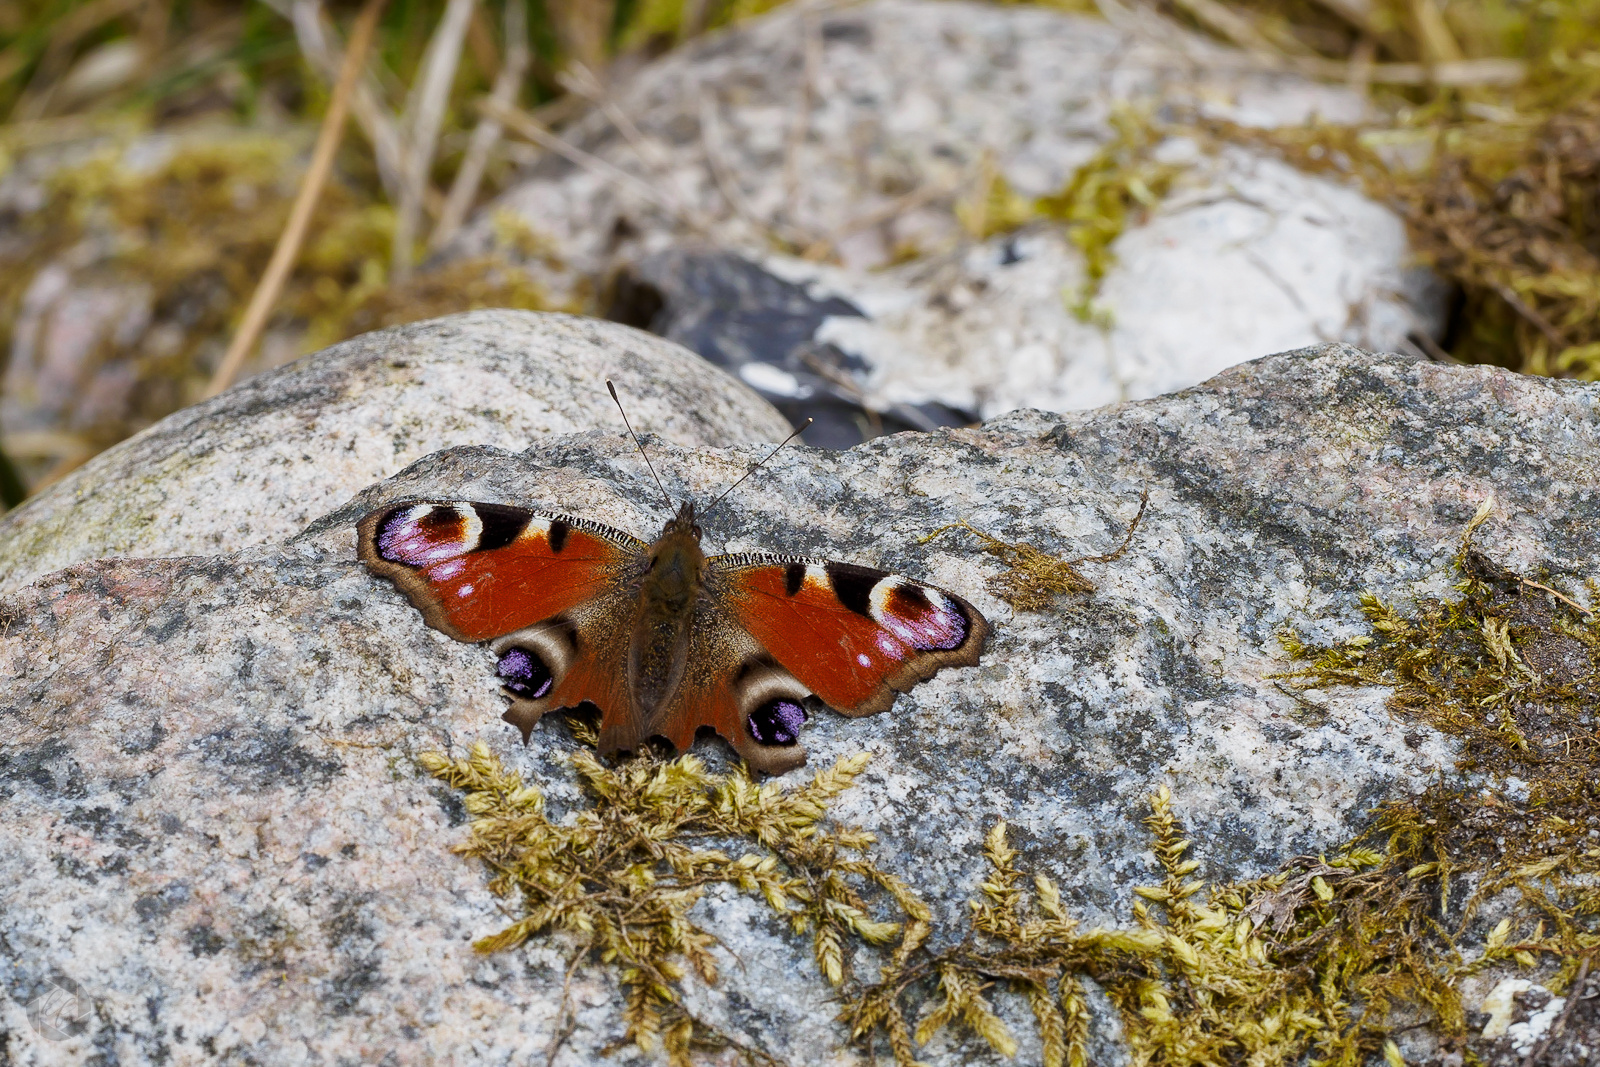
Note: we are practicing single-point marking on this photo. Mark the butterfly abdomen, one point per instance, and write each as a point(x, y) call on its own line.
point(669, 594)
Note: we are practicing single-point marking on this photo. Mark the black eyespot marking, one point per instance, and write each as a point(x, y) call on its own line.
point(558, 534)
point(794, 576)
point(501, 525)
point(907, 601)
point(524, 673)
point(777, 722)
point(853, 585)
point(440, 516)
point(427, 538)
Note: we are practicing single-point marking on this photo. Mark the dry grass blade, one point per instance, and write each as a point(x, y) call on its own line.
point(507, 83)
point(317, 42)
point(727, 182)
point(527, 127)
point(1222, 19)
point(288, 247)
point(424, 116)
point(584, 83)
point(36, 99)
point(1559, 1026)
point(920, 197)
point(800, 125)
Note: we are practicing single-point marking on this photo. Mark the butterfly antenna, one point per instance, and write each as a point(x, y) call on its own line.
point(754, 467)
point(640, 445)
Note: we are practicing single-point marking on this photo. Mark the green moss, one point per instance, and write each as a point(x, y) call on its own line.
point(1313, 964)
point(1032, 577)
point(623, 873)
point(1107, 194)
point(1111, 191)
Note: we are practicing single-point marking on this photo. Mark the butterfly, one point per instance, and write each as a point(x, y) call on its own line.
point(662, 638)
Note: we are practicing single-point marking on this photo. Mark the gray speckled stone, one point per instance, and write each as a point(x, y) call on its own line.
point(269, 455)
point(211, 818)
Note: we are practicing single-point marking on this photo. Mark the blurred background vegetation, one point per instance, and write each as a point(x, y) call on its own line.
point(155, 147)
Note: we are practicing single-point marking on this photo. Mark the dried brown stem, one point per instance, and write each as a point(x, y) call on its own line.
point(283, 256)
point(1560, 1024)
point(1223, 20)
point(524, 125)
point(1144, 501)
point(728, 183)
point(507, 83)
point(425, 116)
point(810, 69)
point(1527, 311)
point(582, 82)
point(566, 1020)
point(64, 35)
point(927, 194)
point(319, 44)
point(1564, 599)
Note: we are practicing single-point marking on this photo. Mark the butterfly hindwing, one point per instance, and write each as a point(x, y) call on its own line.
point(853, 635)
point(733, 686)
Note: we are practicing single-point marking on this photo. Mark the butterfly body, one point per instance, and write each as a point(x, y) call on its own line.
point(662, 638)
point(669, 594)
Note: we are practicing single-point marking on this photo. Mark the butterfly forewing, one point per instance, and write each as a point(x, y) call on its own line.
point(479, 571)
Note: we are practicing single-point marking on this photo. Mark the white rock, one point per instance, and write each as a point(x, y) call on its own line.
point(260, 461)
point(910, 103)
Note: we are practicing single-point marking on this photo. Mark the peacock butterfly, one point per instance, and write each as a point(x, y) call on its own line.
point(662, 638)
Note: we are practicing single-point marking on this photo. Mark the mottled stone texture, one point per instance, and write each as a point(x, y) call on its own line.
point(874, 134)
point(212, 820)
point(263, 459)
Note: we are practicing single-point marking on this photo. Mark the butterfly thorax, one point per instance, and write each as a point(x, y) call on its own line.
point(669, 595)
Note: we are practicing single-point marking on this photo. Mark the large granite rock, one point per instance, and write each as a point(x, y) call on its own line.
point(257, 463)
point(213, 824)
point(874, 134)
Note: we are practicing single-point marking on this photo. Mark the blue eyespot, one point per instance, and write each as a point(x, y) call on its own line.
point(777, 722)
point(524, 673)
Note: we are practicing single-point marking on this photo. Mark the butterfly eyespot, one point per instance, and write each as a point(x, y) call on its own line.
point(777, 722)
point(524, 673)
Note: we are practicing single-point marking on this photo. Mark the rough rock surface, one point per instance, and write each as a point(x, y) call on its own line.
point(869, 131)
point(766, 331)
point(212, 821)
point(263, 459)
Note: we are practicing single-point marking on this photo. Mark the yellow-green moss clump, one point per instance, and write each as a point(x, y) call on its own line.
point(1033, 577)
point(1318, 963)
point(1123, 181)
point(624, 872)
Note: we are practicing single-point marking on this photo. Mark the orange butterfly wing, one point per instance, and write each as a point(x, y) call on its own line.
point(546, 588)
point(479, 571)
point(853, 635)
